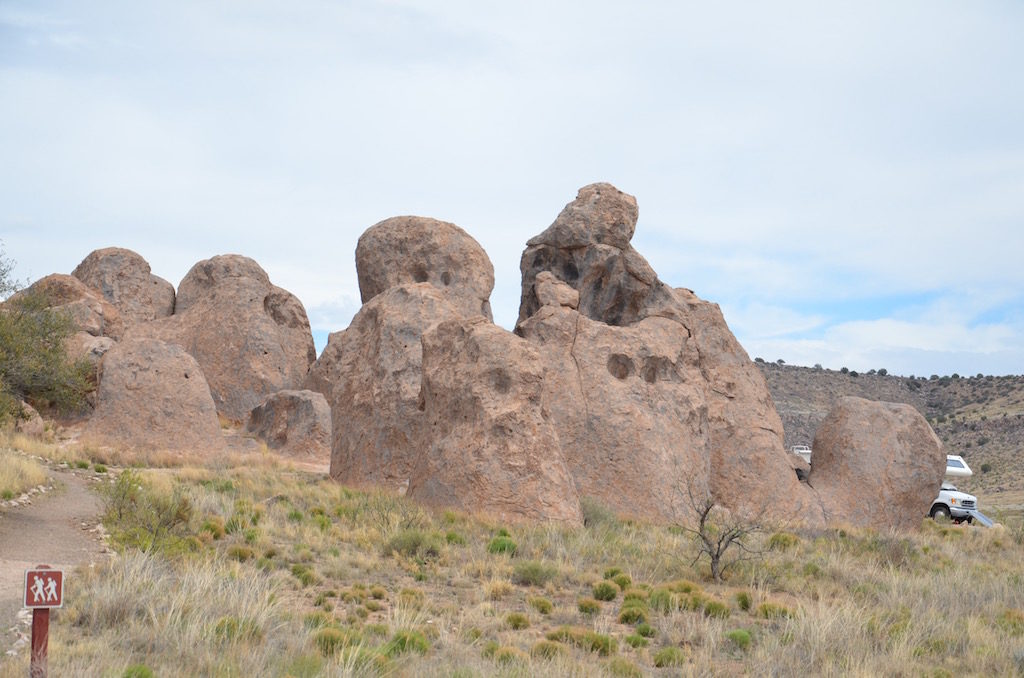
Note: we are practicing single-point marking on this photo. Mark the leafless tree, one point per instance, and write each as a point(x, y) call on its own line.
point(724, 537)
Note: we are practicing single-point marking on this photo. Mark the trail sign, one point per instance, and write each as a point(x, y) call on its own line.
point(44, 588)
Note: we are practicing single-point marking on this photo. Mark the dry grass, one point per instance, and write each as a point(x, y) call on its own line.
point(18, 474)
point(270, 564)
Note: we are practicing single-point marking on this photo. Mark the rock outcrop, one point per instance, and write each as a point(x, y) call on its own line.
point(124, 279)
point(371, 376)
point(296, 423)
point(28, 422)
point(875, 464)
point(489, 446)
point(89, 311)
point(724, 433)
point(405, 250)
point(153, 395)
point(84, 346)
point(629, 409)
point(250, 338)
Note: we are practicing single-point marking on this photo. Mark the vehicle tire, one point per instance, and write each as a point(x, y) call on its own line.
point(940, 511)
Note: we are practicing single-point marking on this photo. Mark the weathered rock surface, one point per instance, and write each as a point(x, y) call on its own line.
point(84, 346)
point(876, 463)
point(153, 395)
point(89, 311)
point(551, 291)
point(124, 279)
point(250, 337)
point(403, 250)
point(296, 423)
point(629, 409)
point(371, 376)
point(739, 435)
point(492, 449)
point(29, 423)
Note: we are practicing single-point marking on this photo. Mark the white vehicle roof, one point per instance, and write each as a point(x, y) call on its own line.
point(956, 467)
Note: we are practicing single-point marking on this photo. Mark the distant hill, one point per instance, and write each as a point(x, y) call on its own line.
point(979, 417)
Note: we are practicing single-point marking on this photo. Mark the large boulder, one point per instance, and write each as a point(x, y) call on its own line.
point(153, 395)
point(28, 422)
point(490, 447)
point(84, 346)
point(876, 463)
point(250, 337)
point(88, 310)
point(405, 250)
point(125, 280)
point(629, 410)
point(739, 433)
point(371, 376)
point(296, 423)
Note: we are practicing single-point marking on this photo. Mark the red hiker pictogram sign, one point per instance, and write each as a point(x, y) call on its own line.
point(44, 588)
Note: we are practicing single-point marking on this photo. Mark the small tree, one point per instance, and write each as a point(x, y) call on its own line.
point(723, 537)
point(34, 364)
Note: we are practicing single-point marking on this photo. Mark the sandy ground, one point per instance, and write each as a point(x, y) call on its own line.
point(56, 529)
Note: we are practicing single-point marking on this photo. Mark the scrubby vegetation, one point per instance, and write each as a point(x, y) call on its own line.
point(216, 576)
point(34, 365)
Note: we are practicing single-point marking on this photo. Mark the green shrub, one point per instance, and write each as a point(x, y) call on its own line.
point(315, 620)
point(606, 590)
point(646, 630)
point(82, 464)
point(517, 621)
point(612, 571)
point(596, 513)
point(413, 543)
point(489, 648)
point(622, 579)
point(635, 640)
point(632, 614)
point(600, 643)
point(137, 671)
point(773, 611)
point(329, 640)
point(240, 553)
point(781, 541)
point(454, 538)
point(406, 641)
point(230, 629)
point(986, 467)
point(744, 601)
point(99, 468)
point(542, 605)
point(508, 655)
point(588, 606)
point(740, 638)
point(634, 594)
point(34, 364)
point(623, 668)
point(378, 592)
point(684, 586)
point(533, 573)
point(665, 600)
point(502, 544)
point(547, 649)
point(713, 608)
point(669, 656)
point(303, 574)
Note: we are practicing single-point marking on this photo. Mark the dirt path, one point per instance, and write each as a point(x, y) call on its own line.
point(56, 529)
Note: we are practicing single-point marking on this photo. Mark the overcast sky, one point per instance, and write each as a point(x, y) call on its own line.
point(845, 178)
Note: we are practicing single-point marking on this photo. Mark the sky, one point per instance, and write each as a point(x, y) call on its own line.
point(846, 179)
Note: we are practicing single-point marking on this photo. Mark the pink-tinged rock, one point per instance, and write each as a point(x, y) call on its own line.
point(124, 279)
point(876, 464)
point(28, 422)
point(84, 346)
point(370, 374)
point(403, 250)
point(250, 338)
point(489, 446)
point(89, 311)
point(295, 423)
point(629, 409)
point(153, 395)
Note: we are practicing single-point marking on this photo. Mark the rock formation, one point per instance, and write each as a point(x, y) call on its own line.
point(124, 279)
point(153, 395)
point(28, 422)
point(89, 311)
point(688, 390)
point(84, 346)
point(876, 464)
point(371, 374)
point(250, 337)
point(404, 250)
point(489, 446)
point(296, 423)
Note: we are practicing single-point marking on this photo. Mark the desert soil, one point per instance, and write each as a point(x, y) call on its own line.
point(57, 529)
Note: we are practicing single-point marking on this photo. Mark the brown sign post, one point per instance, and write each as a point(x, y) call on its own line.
point(44, 590)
